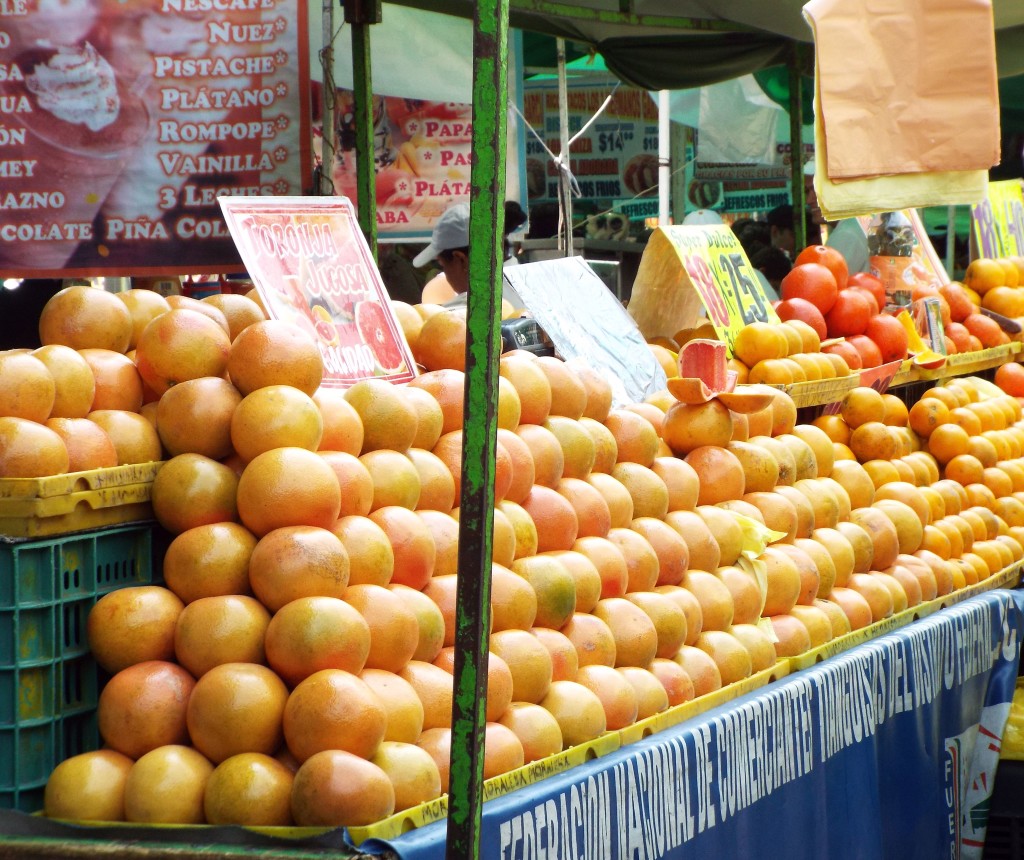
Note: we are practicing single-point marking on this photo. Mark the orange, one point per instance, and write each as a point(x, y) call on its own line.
point(314, 633)
point(371, 558)
point(434, 686)
point(409, 319)
point(90, 787)
point(528, 663)
point(333, 709)
point(181, 302)
point(132, 625)
point(616, 497)
point(984, 274)
point(532, 386)
point(209, 560)
point(554, 586)
point(249, 789)
point(444, 529)
point(669, 546)
point(729, 654)
point(813, 282)
point(118, 384)
point(578, 711)
point(437, 743)
point(1010, 378)
point(986, 329)
point(287, 487)
point(196, 417)
point(592, 512)
point(342, 426)
point(389, 420)
point(429, 619)
point(648, 491)
point(192, 490)
point(964, 469)
point(239, 311)
point(554, 517)
point(396, 477)
point(651, 696)
point(143, 306)
point(926, 415)
point(447, 388)
point(588, 579)
point(413, 774)
point(536, 728)
point(598, 388)
point(883, 534)
point(394, 628)
point(668, 618)
point(636, 438)
point(442, 341)
point(592, 639)
point(862, 405)
point(609, 561)
point(144, 707)
point(298, 561)
point(701, 669)
point(674, 680)
point(411, 544)
point(568, 394)
point(181, 345)
point(634, 633)
point(276, 416)
point(680, 480)
point(791, 634)
point(83, 318)
point(759, 341)
point(27, 388)
point(357, 498)
point(273, 352)
point(522, 465)
point(720, 474)
point(523, 527)
point(401, 704)
point(74, 383)
point(830, 258)
point(166, 786)
point(546, 451)
point(616, 694)
point(642, 562)
point(578, 447)
point(216, 630)
point(565, 661)
point(334, 788)
point(236, 708)
point(88, 445)
point(687, 427)
point(135, 438)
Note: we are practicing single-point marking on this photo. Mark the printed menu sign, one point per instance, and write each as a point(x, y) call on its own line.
point(312, 267)
point(422, 157)
point(121, 123)
point(998, 220)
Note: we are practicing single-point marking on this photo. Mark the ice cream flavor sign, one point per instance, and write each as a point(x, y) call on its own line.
point(313, 268)
point(121, 123)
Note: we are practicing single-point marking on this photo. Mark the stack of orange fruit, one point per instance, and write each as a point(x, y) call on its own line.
point(297, 664)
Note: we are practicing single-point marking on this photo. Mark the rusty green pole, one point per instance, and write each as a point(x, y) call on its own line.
point(796, 148)
point(360, 15)
point(476, 520)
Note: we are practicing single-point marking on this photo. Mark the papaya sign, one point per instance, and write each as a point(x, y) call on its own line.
point(313, 268)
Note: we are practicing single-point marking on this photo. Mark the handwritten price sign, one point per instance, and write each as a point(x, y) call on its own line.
point(999, 220)
point(720, 272)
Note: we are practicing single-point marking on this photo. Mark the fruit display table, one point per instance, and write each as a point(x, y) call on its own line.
point(872, 753)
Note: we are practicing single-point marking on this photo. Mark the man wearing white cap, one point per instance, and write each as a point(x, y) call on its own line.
point(449, 245)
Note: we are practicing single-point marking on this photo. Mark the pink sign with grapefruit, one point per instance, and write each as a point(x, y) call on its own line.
point(313, 268)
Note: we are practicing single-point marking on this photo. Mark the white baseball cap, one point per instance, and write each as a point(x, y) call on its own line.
point(451, 231)
point(702, 216)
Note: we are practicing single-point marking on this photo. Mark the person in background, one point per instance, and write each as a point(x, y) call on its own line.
point(404, 282)
point(516, 221)
point(780, 229)
point(846, 236)
point(449, 246)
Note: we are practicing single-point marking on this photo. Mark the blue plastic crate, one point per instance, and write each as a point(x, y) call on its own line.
point(49, 683)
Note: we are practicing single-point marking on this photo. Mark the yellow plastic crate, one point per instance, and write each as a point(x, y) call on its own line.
point(37, 507)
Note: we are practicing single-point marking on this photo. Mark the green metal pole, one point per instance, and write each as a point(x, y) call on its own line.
point(362, 86)
point(796, 124)
point(476, 520)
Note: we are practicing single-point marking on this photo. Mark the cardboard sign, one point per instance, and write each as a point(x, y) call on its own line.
point(998, 221)
point(584, 320)
point(706, 263)
point(312, 268)
point(124, 121)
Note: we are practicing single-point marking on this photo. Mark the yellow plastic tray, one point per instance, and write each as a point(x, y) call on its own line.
point(76, 482)
point(962, 364)
point(818, 392)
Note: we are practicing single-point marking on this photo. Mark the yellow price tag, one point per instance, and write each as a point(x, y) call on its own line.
point(998, 220)
point(718, 269)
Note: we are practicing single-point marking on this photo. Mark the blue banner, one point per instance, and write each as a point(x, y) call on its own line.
point(888, 750)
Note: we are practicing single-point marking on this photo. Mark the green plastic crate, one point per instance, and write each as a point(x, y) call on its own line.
point(49, 683)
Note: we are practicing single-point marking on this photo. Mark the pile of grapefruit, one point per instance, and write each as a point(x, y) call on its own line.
point(296, 665)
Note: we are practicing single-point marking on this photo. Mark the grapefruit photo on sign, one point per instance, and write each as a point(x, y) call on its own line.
point(326, 330)
point(372, 324)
